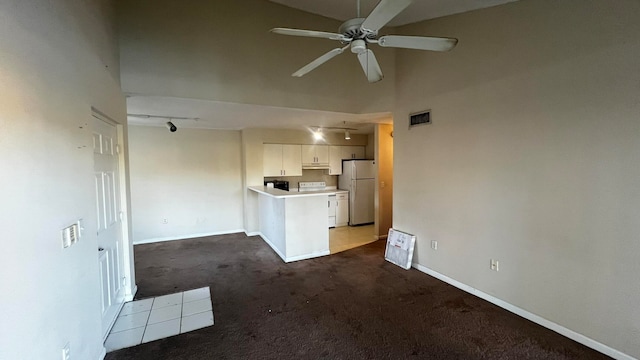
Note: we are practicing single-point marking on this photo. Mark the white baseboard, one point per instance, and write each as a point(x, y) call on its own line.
point(103, 353)
point(113, 321)
point(253, 233)
point(129, 297)
point(266, 239)
point(307, 256)
point(528, 315)
point(182, 237)
point(292, 258)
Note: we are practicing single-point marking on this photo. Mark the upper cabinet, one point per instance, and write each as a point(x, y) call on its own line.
point(335, 160)
point(315, 156)
point(339, 153)
point(282, 160)
point(289, 160)
point(352, 152)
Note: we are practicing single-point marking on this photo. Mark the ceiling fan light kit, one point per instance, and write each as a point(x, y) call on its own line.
point(357, 33)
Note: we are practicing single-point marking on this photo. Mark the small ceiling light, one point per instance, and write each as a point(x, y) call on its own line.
point(347, 136)
point(317, 134)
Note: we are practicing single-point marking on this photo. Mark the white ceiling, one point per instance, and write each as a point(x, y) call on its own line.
point(419, 10)
point(205, 114)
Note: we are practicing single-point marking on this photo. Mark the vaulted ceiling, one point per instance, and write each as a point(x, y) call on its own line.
point(419, 10)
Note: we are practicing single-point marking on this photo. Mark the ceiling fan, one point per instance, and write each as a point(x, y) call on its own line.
point(358, 32)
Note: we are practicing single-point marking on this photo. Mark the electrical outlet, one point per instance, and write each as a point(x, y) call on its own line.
point(165, 221)
point(495, 265)
point(434, 245)
point(66, 352)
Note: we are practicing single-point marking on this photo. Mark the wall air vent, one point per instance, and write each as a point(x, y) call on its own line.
point(421, 118)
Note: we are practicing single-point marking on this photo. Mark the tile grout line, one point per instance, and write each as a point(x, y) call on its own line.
point(181, 312)
point(181, 317)
point(147, 322)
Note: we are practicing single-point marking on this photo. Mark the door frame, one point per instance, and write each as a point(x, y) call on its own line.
point(130, 287)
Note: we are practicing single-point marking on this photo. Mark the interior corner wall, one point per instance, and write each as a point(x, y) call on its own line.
point(370, 149)
point(531, 159)
point(57, 63)
point(191, 177)
point(384, 180)
point(222, 50)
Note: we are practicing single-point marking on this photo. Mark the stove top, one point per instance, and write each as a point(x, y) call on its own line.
point(311, 186)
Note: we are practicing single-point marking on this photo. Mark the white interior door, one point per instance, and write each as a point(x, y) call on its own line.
point(109, 226)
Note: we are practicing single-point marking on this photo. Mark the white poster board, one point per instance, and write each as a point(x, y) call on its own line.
point(400, 248)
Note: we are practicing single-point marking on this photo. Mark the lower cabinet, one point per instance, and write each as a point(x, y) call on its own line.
point(338, 209)
point(332, 210)
point(342, 209)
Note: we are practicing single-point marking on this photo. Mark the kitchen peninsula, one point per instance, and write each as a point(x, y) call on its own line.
point(294, 224)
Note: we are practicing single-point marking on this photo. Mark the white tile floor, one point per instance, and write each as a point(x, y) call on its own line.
point(152, 319)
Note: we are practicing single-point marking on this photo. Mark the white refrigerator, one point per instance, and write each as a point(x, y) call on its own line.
point(358, 177)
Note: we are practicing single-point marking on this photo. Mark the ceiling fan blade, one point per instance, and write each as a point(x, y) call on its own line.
point(383, 13)
point(309, 33)
point(370, 66)
point(319, 61)
point(418, 42)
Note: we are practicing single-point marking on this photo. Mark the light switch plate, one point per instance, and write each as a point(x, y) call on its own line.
point(70, 235)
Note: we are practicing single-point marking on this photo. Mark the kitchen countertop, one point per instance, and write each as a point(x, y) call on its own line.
point(277, 193)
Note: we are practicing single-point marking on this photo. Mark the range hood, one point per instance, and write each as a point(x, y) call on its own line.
point(315, 166)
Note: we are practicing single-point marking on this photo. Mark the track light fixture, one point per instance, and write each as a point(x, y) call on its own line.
point(318, 135)
point(169, 124)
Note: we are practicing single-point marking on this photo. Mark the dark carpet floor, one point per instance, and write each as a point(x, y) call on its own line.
point(352, 305)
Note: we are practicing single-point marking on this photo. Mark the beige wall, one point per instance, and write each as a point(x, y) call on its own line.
point(222, 50)
point(58, 60)
point(531, 159)
point(192, 178)
point(384, 180)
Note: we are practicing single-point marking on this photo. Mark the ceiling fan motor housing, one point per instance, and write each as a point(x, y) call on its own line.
point(352, 29)
point(358, 46)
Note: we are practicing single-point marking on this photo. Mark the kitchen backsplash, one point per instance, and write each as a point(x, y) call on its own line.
point(308, 175)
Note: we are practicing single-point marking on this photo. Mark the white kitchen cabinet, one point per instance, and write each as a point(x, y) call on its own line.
point(282, 160)
point(272, 160)
point(342, 209)
point(332, 205)
point(291, 160)
point(315, 155)
point(338, 153)
point(352, 152)
point(335, 160)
